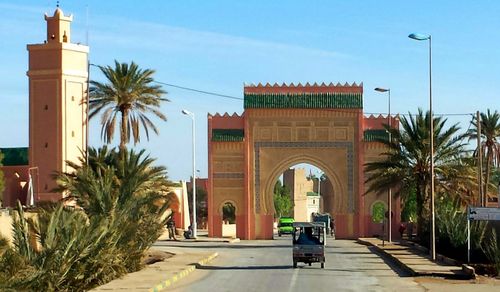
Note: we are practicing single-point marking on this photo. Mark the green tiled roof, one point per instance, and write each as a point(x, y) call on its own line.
point(312, 194)
point(336, 100)
point(227, 135)
point(14, 156)
point(375, 135)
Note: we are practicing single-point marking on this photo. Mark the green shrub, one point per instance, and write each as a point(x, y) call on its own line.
point(451, 225)
point(491, 249)
point(120, 206)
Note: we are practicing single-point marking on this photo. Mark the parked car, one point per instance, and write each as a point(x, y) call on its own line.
point(285, 225)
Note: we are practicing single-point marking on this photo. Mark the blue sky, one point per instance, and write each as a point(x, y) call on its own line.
point(220, 45)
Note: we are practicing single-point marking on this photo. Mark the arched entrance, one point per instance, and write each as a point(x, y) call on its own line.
point(302, 191)
point(332, 201)
point(328, 159)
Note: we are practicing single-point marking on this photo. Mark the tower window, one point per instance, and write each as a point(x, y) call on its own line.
point(72, 133)
point(46, 107)
point(72, 98)
point(46, 145)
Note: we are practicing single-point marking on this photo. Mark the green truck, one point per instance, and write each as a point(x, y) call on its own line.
point(285, 225)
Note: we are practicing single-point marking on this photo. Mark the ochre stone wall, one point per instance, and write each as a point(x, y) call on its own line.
point(227, 161)
point(373, 152)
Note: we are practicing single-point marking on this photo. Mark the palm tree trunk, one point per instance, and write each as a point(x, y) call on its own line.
point(489, 158)
point(420, 198)
point(124, 130)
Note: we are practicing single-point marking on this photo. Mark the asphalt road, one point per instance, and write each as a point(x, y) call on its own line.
point(267, 266)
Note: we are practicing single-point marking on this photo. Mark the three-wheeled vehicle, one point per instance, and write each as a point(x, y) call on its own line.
point(309, 240)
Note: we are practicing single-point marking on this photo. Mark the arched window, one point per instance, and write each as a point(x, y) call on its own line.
point(378, 212)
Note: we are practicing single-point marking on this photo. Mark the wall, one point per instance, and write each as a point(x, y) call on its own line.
point(226, 181)
point(373, 151)
point(15, 188)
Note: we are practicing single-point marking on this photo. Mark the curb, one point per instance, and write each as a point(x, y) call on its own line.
point(169, 282)
point(468, 270)
point(396, 261)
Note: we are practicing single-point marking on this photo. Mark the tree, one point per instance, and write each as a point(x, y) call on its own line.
point(409, 210)
point(201, 204)
point(406, 163)
point(110, 181)
point(130, 94)
point(490, 145)
point(283, 204)
point(229, 213)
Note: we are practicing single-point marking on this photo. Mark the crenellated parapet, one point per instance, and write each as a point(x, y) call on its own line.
point(378, 122)
point(304, 88)
point(226, 127)
point(226, 121)
point(373, 127)
point(308, 96)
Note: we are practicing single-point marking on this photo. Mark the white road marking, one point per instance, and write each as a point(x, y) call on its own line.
point(294, 279)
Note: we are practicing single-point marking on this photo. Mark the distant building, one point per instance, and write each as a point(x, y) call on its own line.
point(313, 204)
point(300, 190)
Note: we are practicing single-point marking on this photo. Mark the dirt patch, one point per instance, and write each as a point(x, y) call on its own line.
point(479, 280)
point(485, 270)
point(153, 256)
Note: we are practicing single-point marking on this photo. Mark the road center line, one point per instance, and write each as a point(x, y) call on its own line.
point(294, 279)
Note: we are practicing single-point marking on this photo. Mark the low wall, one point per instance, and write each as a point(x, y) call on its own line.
point(229, 230)
point(6, 224)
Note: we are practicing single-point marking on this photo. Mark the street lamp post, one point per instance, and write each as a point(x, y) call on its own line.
point(319, 182)
point(193, 225)
point(389, 192)
point(424, 37)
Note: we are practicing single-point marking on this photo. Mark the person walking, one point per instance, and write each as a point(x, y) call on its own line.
point(171, 228)
point(401, 230)
point(332, 227)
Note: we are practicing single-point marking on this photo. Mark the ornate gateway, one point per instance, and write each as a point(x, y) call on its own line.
point(284, 125)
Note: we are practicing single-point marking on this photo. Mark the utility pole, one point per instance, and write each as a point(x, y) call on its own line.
point(479, 160)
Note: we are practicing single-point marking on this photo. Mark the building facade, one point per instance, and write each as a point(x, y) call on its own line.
point(58, 82)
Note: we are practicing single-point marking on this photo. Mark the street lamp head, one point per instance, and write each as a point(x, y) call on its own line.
point(186, 112)
point(419, 36)
point(379, 89)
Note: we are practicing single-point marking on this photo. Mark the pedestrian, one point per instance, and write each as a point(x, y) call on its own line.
point(401, 229)
point(188, 234)
point(171, 228)
point(410, 230)
point(332, 227)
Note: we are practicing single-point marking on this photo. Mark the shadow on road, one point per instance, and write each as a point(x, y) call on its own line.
point(243, 267)
point(347, 252)
point(396, 268)
point(218, 245)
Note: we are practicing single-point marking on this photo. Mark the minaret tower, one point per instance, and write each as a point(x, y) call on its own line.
point(58, 75)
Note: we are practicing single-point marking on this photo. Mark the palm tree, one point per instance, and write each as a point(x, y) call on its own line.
point(125, 188)
point(406, 166)
point(110, 180)
point(130, 93)
point(490, 145)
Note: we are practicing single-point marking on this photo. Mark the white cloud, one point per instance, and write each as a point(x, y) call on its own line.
point(161, 38)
